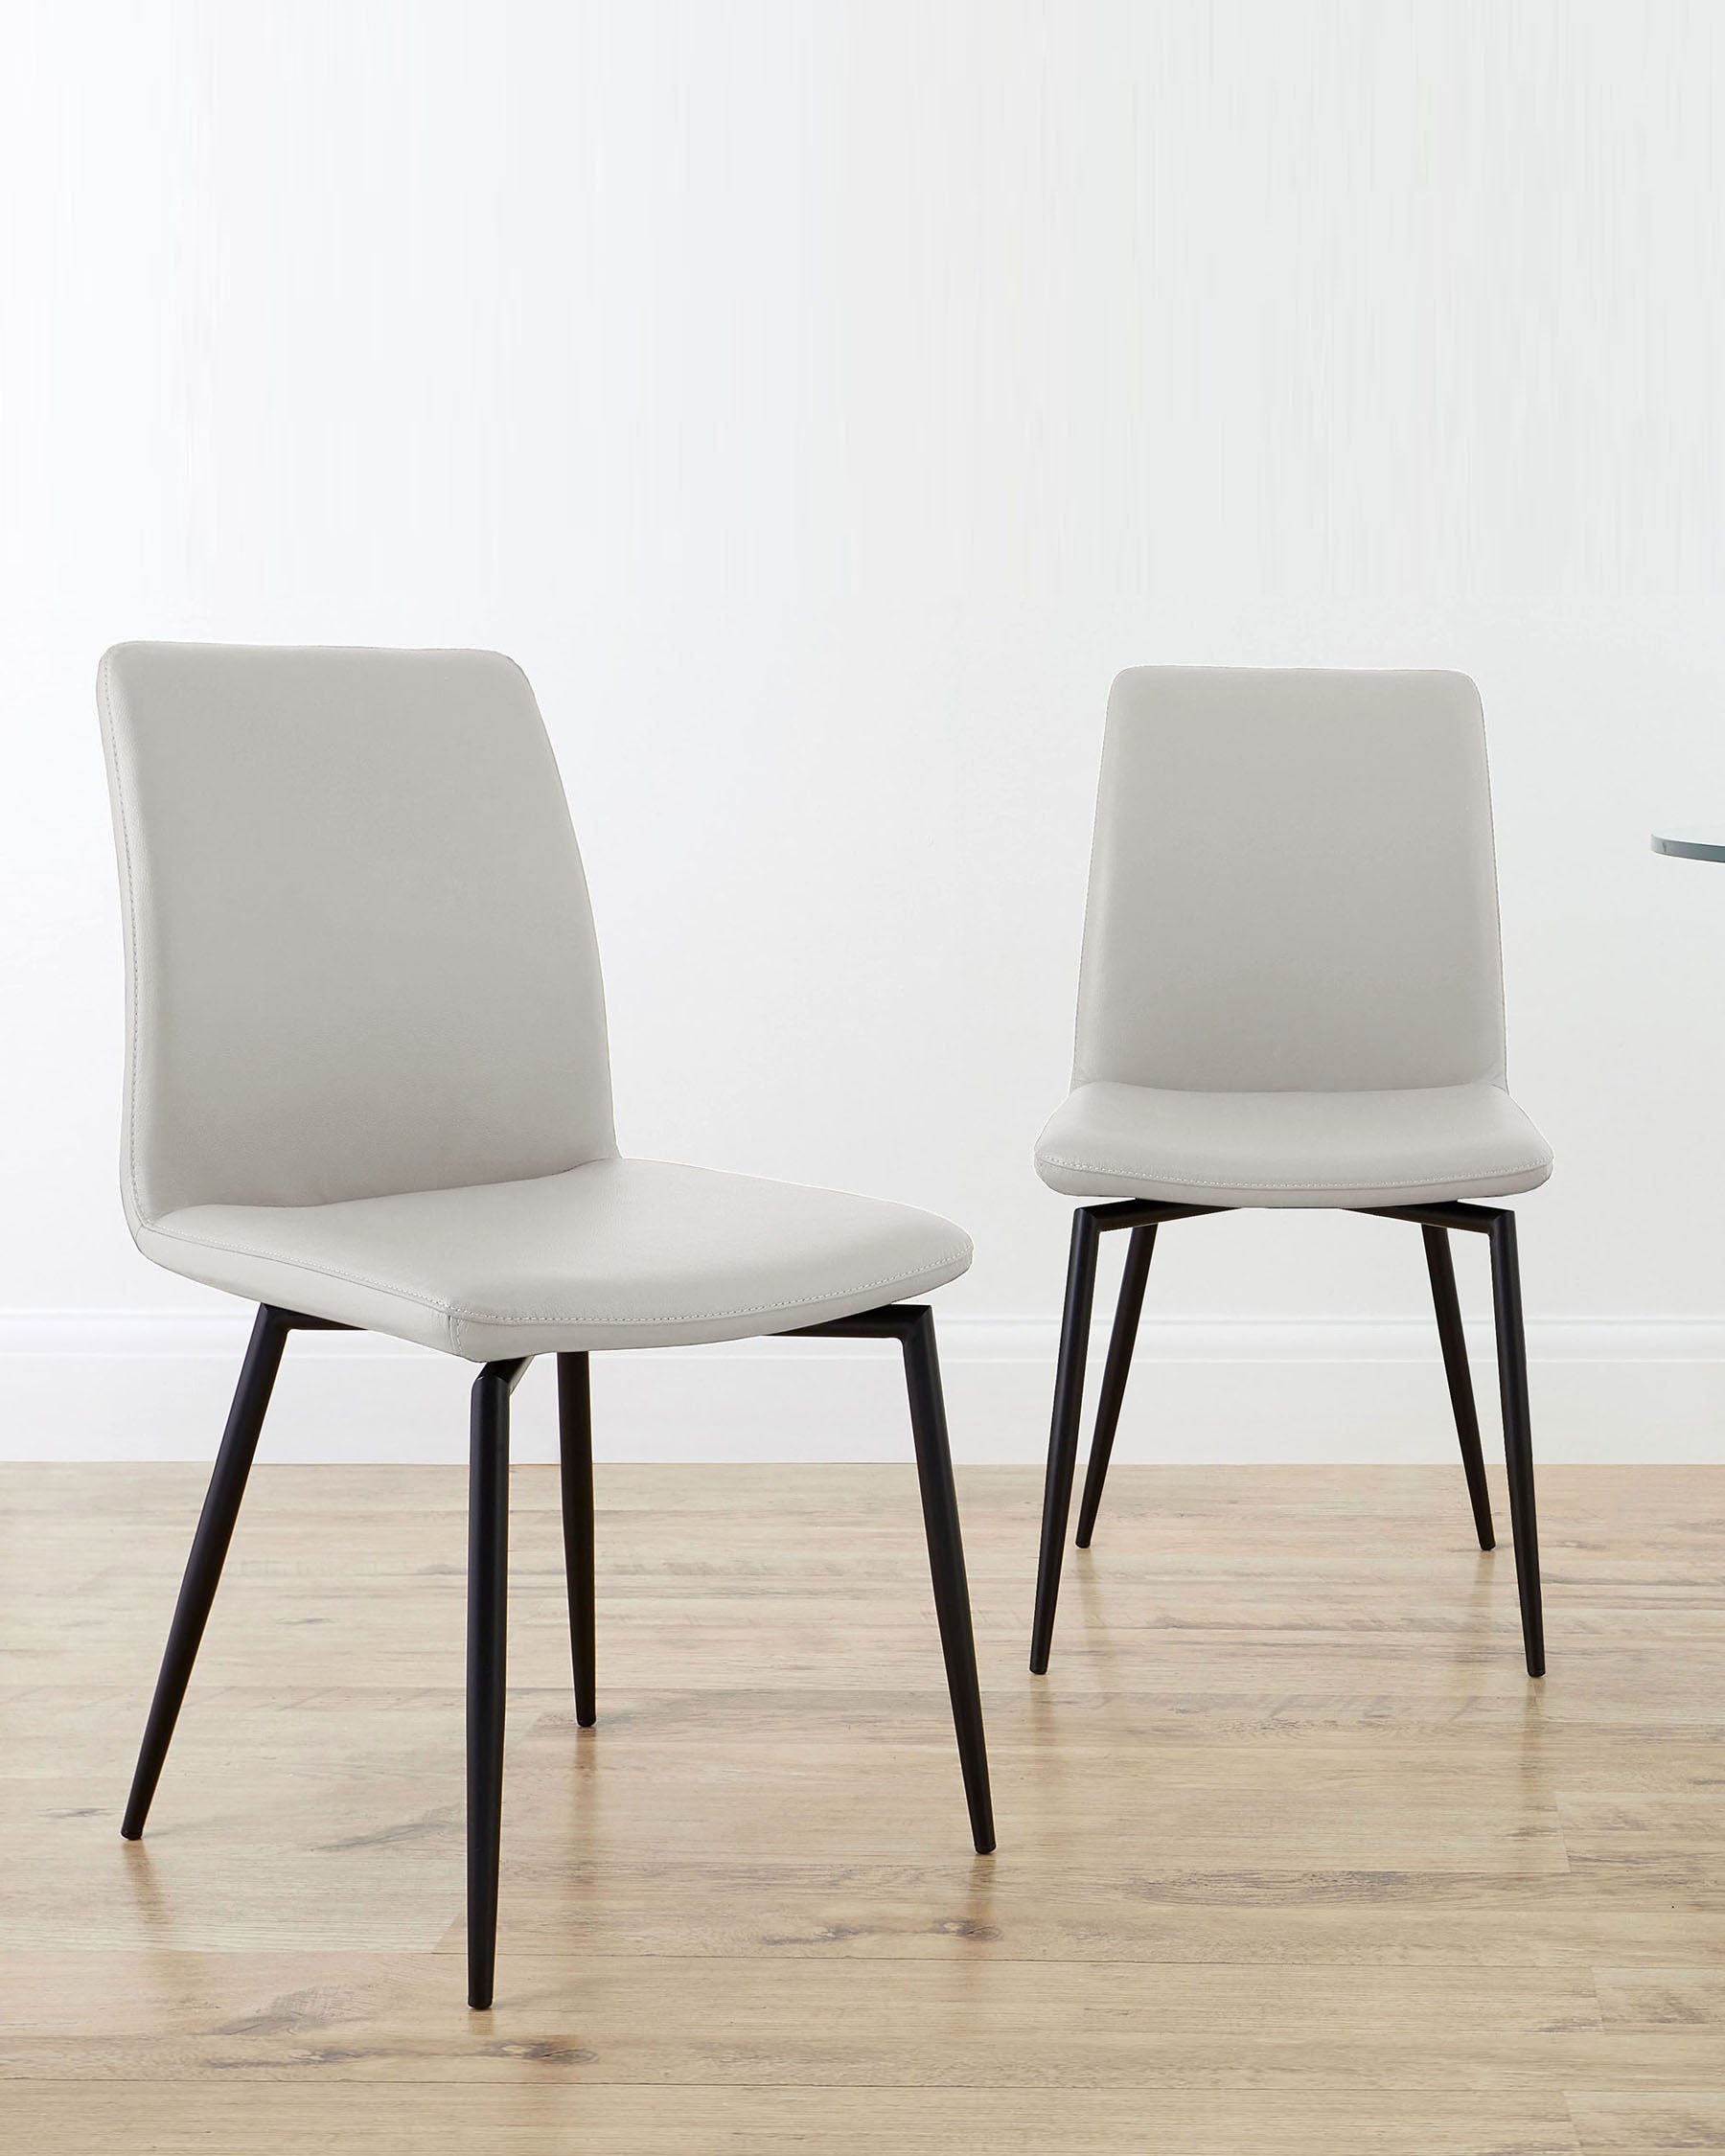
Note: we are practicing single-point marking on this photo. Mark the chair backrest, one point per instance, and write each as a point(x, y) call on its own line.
point(359, 953)
point(1293, 886)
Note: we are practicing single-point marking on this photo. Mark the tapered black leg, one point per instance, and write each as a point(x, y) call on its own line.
point(1441, 1267)
point(487, 1595)
point(209, 1549)
point(1063, 1434)
point(1140, 1247)
point(575, 1443)
point(946, 1565)
point(1518, 1435)
point(912, 1325)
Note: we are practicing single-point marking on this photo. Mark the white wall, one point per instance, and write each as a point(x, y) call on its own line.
point(823, 401)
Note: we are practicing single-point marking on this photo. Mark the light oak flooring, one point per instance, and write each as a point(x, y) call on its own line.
point(1292, 1856)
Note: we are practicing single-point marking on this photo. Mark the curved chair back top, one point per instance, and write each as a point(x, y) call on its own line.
point(1293, 886)
point(359, 954)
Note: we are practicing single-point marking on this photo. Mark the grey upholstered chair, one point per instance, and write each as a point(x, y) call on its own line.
point(368, 1087)
point(1291, 995)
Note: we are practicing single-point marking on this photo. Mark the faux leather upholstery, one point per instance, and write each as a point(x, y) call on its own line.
point(361, 957)
point(618, 1253)
point(367, 1076)
point(1291, 991)
point(1395, 1148)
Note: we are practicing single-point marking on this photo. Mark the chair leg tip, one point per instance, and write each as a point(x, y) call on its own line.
point(585, 1721)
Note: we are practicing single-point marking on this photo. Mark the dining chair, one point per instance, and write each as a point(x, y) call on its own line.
point(1291, 995)
point(368, 1087)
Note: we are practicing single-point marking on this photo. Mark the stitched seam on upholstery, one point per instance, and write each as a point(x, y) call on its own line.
point(535, 1316)
point(1496, 896)
point(106, 699)
point(1271, 1183)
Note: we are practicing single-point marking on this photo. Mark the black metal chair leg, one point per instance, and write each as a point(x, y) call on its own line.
point(912, 1325)
point(209, 1549)
point(1062, 1434)
point(488, 1597)
point(1441, 1268)
point(575, 1447)
point(1140, 1247)
point(1518, 1436)
point(946, 1565)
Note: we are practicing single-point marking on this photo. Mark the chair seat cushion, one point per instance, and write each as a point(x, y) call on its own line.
point(617, 1253)
point(1413, 1145)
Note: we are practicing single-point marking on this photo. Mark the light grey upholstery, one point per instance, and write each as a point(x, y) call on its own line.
point(615, 1254)
point(367, 1075)
point(1291, 991)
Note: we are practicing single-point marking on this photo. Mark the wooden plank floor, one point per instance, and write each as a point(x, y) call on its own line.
point(1293, 1857)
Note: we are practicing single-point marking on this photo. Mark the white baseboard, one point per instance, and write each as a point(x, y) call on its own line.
point(111, 1386)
